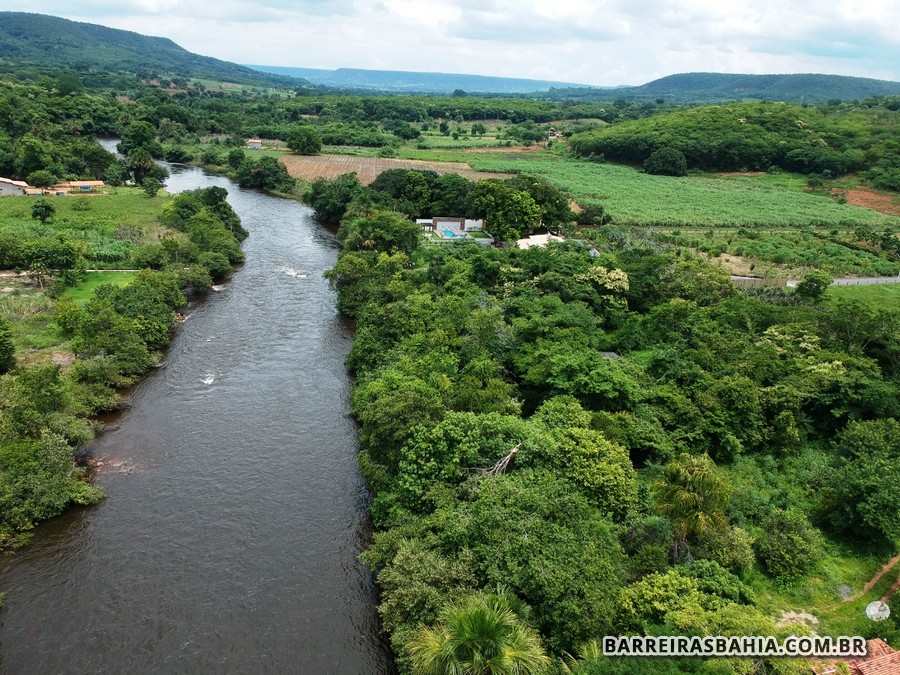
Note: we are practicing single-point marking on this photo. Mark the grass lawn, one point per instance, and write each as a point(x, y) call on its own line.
point(876, 296)
point(126, 206)
point(84, 291)
point(106, 226)
point(477, 234)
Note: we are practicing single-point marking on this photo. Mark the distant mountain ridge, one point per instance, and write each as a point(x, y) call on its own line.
point(51, 42)
point(397, 81)
point(48, 44)
point(796, 88)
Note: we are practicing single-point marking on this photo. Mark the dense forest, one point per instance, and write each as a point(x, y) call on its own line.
point(570, 446)
point(830, 140)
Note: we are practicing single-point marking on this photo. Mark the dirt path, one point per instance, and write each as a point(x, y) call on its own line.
point(891, 590)
point(874, 580)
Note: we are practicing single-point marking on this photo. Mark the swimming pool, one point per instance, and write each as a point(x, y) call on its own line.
point(450, 234)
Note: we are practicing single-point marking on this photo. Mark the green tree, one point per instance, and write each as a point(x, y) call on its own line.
point(693, 496)
point(236, 157)
point(330, 198)
point(140, 161)
point(814, 286)
point(552, 202)
point(507, 212)
point(788, 545)
point(385, 231)
point(152, 187)
point(482, 635)
point(304, 140)
point(42, 178)
point(42, 210)
point(666, 161)
point(861, 495)
point(7, 348)
point(536, 534)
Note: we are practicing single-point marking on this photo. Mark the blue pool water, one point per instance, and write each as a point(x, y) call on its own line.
point(450, 234)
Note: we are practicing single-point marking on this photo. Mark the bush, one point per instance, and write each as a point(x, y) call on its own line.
point(666, 161)
point(788, 545)
point(7, 349)
point(304, 140)
point(216, 263)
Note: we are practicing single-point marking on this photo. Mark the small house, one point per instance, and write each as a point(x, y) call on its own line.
point(254, 144)
point(9, 187)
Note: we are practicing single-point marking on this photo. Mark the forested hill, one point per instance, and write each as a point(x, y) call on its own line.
point(51, 43)
point(799, 88)
point(427, 83)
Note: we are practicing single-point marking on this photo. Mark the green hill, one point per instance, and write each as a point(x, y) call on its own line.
point(799, 88)
point(827, 140)
point(48, 43)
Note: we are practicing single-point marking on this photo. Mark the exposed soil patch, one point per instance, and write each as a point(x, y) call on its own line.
point(735, 264)
point(368, 168)
point(877, 201)
point(63, 360)
point(891, 590)
point(789, 618)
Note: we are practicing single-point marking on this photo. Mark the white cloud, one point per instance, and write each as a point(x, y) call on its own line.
point(591, 41)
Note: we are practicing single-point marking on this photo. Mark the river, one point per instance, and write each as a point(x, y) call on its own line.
point(229, 541)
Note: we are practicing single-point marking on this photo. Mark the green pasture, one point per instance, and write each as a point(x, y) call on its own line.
point(876, 296)
point(84, 290)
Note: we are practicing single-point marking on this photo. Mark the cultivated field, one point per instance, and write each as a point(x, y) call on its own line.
point(368, 168)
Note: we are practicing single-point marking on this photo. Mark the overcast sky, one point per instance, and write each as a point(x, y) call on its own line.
point(600, 42)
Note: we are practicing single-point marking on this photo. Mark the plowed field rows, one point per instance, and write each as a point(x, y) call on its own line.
point(368, 168)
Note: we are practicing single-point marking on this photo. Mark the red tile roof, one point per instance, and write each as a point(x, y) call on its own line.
point(888, 664)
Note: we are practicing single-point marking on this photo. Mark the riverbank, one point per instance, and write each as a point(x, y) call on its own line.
point(70, 359)
point(234, 530)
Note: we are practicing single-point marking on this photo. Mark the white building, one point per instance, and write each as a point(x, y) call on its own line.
point(8, 187)
point(539, 240)
point(254, 144)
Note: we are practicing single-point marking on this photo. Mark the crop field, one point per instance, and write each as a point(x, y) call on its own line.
point(634, 198)
point(368, 168)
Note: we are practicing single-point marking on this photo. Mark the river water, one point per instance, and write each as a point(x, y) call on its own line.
point(236, 513)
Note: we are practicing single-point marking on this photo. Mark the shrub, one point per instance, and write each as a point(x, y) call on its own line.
point(788, 545)
point(666, 161)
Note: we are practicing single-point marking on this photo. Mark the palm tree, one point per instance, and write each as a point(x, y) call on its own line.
point(140, 162)
point(693, 496)
point(481, 635)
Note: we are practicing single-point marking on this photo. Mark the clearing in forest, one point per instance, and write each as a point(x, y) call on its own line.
point(368, 168)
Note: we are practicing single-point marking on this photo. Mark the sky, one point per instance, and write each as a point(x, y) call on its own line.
point(597, 42)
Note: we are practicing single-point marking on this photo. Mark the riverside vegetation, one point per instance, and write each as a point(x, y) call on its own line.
point(564, 446)
point(108, 337)
point(560, 445)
